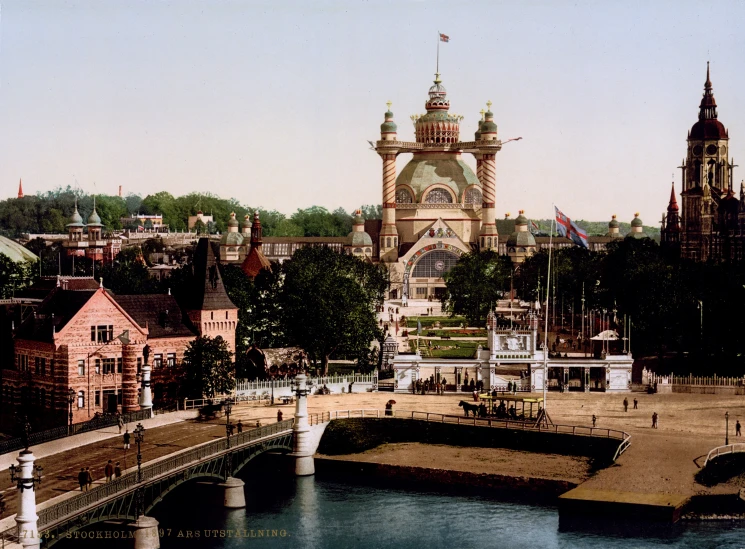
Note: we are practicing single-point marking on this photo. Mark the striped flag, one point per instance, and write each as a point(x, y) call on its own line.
point(444, 38)
point(534, 227)
point(568, 228)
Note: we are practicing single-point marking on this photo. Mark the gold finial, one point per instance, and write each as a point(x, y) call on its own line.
point(489, 104)
point(522, 212)
point(636, 214)
point(389, 104)
point(482, 111)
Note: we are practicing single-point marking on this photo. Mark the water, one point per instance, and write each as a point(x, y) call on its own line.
point(314, 512)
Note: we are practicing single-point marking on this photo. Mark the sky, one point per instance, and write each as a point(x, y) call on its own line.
point(272, 103)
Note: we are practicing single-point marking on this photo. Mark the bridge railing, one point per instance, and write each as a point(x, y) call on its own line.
point(84, 500)
point(723, 450)
point(480, 421)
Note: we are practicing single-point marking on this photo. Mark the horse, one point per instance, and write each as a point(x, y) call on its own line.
point(468, 407)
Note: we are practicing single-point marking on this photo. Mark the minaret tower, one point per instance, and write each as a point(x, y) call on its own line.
point(387, 149)
point(488, 237)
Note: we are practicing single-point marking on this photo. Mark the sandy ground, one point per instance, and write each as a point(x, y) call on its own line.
point(477, 460)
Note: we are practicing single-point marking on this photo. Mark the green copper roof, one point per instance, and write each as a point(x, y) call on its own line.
point(232, 222)
point(15, 251)
point(359, 239)
point(614, 224)
point(231, 239)
point(422, 173)
point(76, 220)
point(637, 235)
point(521, 238)
point(94, 220)
point(636, 222)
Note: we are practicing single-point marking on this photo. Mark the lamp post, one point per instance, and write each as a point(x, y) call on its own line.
point(726, 428)
point(228, 456)
point(139, 433)
point(272, 390)
point(70, 400)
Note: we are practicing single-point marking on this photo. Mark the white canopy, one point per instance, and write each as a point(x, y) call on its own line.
point(607, 335)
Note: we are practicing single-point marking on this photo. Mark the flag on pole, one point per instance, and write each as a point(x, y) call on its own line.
point(534, 226)
point(444, 38)
point(568, 228)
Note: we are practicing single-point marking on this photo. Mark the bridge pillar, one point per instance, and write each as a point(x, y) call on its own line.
point(235, 497)
point(129, 378)
point(146, 533)
point(303, 449)
point(26, 518)
point(146, 395)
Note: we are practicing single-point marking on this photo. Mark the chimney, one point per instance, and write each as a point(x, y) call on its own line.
point(120, 191)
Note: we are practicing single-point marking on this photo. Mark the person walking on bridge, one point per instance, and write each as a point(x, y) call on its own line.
point(82, 479)
point(635, 404)
point(240, 426)
point(737, 429)
point(109, 471)
point(654, 420)
point(127, 436)
point(625, 404)
point(279, 416)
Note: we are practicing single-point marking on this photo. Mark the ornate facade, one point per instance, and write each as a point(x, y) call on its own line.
point(711, 221)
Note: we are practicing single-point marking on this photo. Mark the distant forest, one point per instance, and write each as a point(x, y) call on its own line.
point(50, 212)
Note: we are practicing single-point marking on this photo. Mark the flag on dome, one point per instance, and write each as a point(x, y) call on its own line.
point(568, 228)
point(444, 38)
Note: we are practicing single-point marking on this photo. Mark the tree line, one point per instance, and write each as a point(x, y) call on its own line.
point(50, 213)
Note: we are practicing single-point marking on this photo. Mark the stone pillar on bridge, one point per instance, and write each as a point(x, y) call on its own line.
point(303, 449)
point(129, 378)
point(146, 533)
point(26, 518)
point(146, 395)
point(234, 496)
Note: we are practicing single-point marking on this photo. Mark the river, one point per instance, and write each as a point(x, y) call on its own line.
point(329, 513)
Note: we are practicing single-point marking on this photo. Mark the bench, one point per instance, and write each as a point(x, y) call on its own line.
point(287, 399)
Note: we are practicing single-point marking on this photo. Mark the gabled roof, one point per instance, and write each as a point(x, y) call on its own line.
point(209, 292)
point(57, 310)
point(254, 263)
point(159, 312)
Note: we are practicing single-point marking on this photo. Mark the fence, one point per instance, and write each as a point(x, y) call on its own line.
point(722, 450)
point(63, 431)
point(706, 381)
point(266, 385)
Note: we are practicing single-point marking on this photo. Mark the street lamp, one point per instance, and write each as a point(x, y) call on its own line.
point(70, 400)
point(228, 409)
point(726, 428)
point(139, 433)
point(23, 483)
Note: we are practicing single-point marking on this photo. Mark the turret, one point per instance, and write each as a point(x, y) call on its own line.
point(521, 243)
point(388, 128)
point(94, 224)
point(488, 126)
point(637, 228)
point(614, 228)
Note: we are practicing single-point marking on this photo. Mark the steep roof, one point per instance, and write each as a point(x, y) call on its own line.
point(209, 292)
point(159, 312)
point(255, 261)
point(57, 310)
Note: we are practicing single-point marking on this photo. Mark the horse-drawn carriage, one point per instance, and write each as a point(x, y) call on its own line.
point(510, 407)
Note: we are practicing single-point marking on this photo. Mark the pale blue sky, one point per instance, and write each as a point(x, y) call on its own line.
point(272, 102)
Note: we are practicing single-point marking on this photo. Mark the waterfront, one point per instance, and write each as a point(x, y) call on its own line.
point(335, 513)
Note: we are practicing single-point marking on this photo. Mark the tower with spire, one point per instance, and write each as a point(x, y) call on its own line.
point(436, 208)
point(702, 229)
point(20, 188)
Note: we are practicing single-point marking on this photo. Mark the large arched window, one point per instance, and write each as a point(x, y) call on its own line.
point(438, 196)
point(435, 264)
point(472, 196)
point(403, 196)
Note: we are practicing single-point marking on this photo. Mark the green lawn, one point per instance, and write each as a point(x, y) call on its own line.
point(428, 321)
point(459, 349)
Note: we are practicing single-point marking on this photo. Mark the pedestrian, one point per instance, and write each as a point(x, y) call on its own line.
point(127, 436)
point(258, 424)
point(635, 404)
point(737, 429)
point(117, 470)
point(88, 477)
point(119, 422)
point(240, 426)
point(109, 471)
point(594, 420)
point(625, 404)
point(654, 420)
point(279, 416)
point(231, 428)
point(82, 479)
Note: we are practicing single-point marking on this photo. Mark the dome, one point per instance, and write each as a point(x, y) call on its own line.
point(358, 219)
point(232, 222)
point(636, 222)
point(389, 126)
point(614, 224)
point(76, 220)
point(94, 220)
point(231, 239)
point(359, 238)
point(424, 171)
point(488, 125)
point(522, 239)
point(246, 222)
point(521, 219)
point(15, 252)
point(708, 129)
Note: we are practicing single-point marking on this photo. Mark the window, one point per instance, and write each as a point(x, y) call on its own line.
point(157, 361)
point(438, 196)
point(37, 365)
point(139, 364)
point(51, 368)
point(81, 399)
point(23, 363)
point(421, 291)
point(108, 365)
point(403, 197)
point(473, 196)
point(435, 264)
point(103, 333)
point(171, 360)
point(119, 365)
point(81, 367)
point(226, 315)
point(42, 368)
point(97, 399)
point(98, 366)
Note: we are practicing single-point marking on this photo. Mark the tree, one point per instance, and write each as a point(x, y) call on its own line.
point(127, 274)
point(209, 369)
point(328, 303)
point(475, 283)
point(14, 276)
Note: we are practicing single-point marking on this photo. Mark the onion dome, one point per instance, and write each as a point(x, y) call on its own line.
point(708, 127)
point(636, 228)
point(232, 222)
point(614, 224)
point(488, 126)
point(76, 219)
point(246, 224)
point(389, 126)
point(94, 220)
point(521, 219)
point(636, 222)
point(231, 239)
point(358, 237)
point(522, 237)
point(477, 135)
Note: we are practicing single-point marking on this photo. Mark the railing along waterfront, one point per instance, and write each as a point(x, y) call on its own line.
point(706, 381)
point(266, 385)
point(724, 450)
point(579, 430)
point(164, 467)
point(63, 431)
